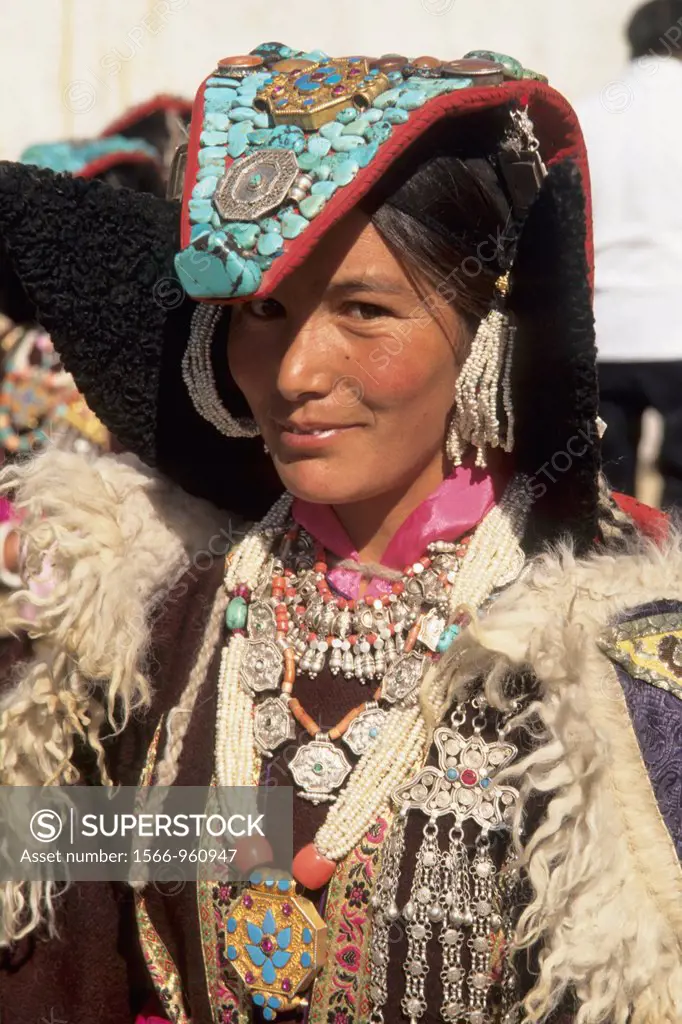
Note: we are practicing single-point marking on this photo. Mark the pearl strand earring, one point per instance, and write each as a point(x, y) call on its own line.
point(484, 378)
point(199, 378)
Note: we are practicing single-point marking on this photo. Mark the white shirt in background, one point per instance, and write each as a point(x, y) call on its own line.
point(633, 130)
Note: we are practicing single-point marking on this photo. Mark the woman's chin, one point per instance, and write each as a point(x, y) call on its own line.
point(320, 482)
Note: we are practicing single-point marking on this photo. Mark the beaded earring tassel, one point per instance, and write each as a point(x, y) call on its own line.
point(484, 381)
point(199, 378)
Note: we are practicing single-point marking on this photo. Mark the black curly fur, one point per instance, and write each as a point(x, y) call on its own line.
point(91, 259)
point(555, 392)
point(96, 269)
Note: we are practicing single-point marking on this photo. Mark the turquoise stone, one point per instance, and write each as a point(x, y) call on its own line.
point(324, 171)
point(212, 155)
point(347, 115)
point(264, 262)
point(379, 132)
point(394, 115)
point(207, 275)
point(452, 774)
point(216, 220)
point(288, 136)
point(217, 98)
point(331, 130)
point(200, 210)
point(217, 122)
point(412, 99)
point(308, 161)
point(269, 975)
point(344, 143)
point(307, 936)
point(269, 1014)
point(217, 241)
point(344, 172)
point(199, 231)
point(222, 83)
point(245, 235)
point(311, 206)
point(318, 145)
point(452, 85)
point(207, 172)
point(260, 137)
point(513, 67)
point(236, 613)
point(259, 999)
point(306, 960)
point(284, 885)
point(232, 953)
point(205, 188)
point(270, 224)
point(388, 98)
point(242, 114)
point(213, 138)
point(238, 137)
point(324, 188)
point(372, 115)
point(232, 924)
point(395, 77)
point(269, 243)
point(365, 154)
point(446, 638)
point(534, 76)
point(292, 224)
point(485, 783)
point(317, 55)
point(357, 127)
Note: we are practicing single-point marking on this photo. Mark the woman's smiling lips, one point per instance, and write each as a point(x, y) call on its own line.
point(307, 436)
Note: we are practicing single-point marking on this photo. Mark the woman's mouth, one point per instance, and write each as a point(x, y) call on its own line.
point(297, 436)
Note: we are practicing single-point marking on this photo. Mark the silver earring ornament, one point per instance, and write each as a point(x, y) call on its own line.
point(486, 371)
point(199, 378)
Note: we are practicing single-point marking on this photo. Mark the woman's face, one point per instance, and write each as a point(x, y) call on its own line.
point(350, 370)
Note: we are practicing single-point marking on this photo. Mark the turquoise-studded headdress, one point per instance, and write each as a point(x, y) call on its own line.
point(89, 158)
point(283, 143)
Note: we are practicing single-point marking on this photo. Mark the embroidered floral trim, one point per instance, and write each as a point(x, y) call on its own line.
point(340, 995)
point(650, 649)
point(214, 902)
point(163, 971)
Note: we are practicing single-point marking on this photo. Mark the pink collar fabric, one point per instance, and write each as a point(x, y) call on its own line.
point(454, 508)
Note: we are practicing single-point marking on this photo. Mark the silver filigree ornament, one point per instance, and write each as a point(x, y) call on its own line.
point(365, 730)
point(458, 899)
point(273, 725)
point(261, 623)
point(463, 784)
point(318, 769)
point(256, 185)
point(401, 682)
point(262, 667)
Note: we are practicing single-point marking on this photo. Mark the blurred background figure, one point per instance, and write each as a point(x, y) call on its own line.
point(633, 142)
point(39, 403)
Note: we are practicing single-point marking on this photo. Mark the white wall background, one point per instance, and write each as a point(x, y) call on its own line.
point(67, 67)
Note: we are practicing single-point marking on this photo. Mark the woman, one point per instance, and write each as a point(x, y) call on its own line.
point(390, 268)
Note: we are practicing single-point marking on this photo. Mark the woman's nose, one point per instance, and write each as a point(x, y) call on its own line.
point(306, 367)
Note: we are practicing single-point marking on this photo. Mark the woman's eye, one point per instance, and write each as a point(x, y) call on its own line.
point(265, 309)
point(365, 311)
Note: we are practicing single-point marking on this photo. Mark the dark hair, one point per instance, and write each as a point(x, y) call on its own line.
point(141, 177)
point(656, 28)
point(447, 215)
